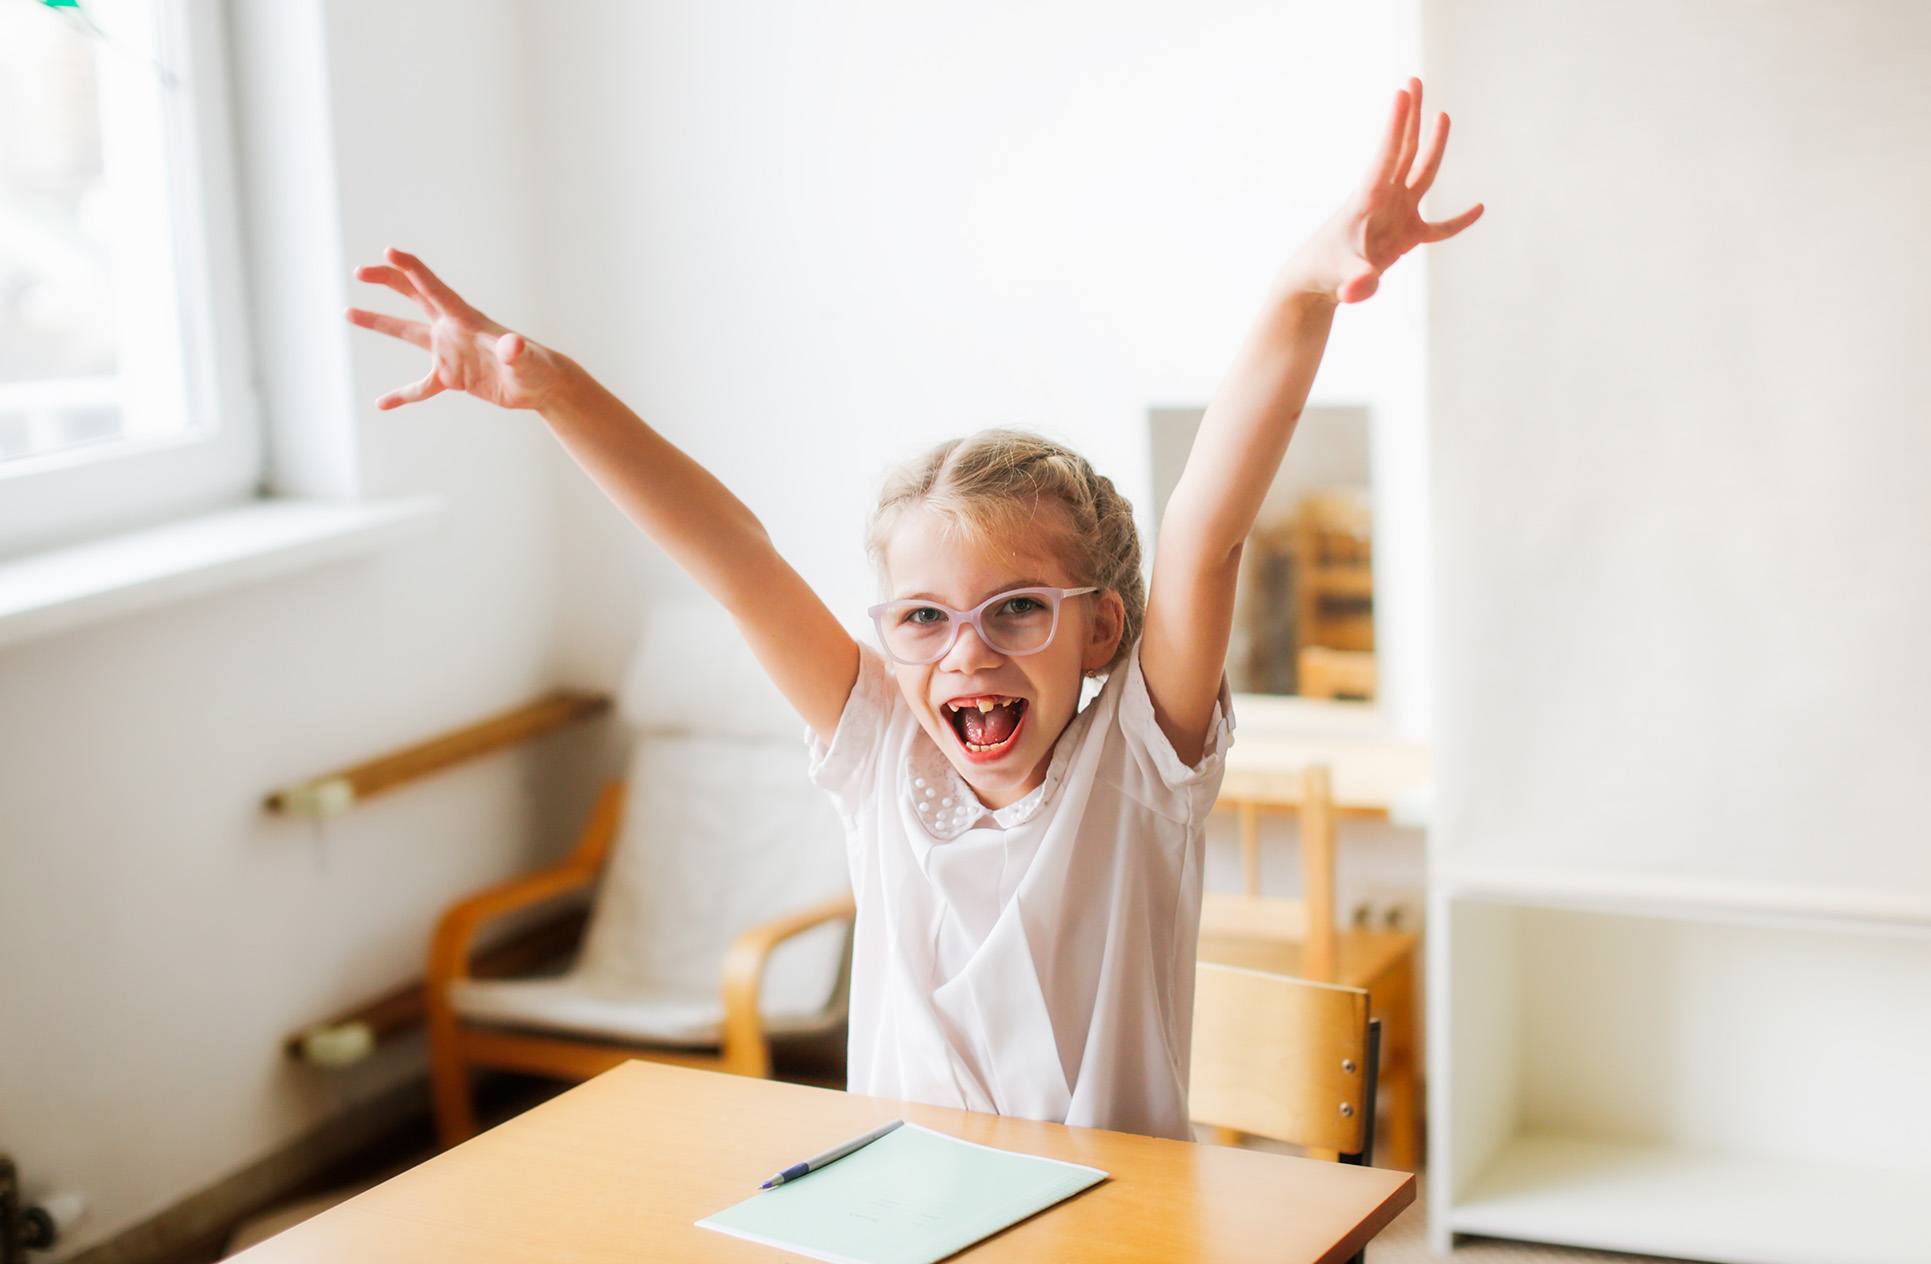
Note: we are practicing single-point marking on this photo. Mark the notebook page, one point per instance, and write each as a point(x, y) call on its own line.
point(911, 1197)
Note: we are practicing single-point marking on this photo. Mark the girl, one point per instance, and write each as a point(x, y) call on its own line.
point(1027, 872)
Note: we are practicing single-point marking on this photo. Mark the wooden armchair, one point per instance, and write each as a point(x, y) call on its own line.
point(722, 913)
point(743, 1043)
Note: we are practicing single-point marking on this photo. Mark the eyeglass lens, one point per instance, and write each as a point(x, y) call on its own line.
point(1020, 624)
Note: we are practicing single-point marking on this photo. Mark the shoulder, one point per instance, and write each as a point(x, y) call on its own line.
point(872, 710)
point(1125, 710)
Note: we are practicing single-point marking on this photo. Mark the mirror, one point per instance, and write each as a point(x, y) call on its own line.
point(1304, 617)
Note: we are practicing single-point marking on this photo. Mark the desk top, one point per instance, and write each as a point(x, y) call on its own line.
point(619, 1168)
point(1375, 771)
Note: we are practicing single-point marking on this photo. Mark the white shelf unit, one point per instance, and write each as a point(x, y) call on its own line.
point(1701, 1081)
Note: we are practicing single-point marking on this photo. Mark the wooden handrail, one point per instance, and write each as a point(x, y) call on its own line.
point(339, 791)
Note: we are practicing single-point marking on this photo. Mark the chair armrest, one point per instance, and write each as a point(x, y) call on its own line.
point(744, 1049)
point(449, 947)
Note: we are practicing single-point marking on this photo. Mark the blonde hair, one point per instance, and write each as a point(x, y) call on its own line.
point(996, 483)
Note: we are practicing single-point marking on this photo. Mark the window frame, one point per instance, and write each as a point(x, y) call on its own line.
point(88, 492)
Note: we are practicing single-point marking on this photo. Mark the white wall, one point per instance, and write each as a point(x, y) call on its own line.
point(1680, 443)
point(161, 934)
point(809, 241)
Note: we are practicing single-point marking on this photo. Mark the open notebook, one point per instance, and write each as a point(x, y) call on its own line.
point(911, 1197)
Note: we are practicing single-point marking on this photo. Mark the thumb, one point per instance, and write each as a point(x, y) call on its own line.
point(509, 348)
point(1355, 289)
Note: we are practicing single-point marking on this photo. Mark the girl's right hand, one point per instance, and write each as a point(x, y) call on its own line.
point(468, 351)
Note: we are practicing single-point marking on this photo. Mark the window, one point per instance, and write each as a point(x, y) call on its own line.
point(123, 373)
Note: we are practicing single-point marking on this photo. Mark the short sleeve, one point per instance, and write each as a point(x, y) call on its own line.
point(844, 768)
point(1139, 725)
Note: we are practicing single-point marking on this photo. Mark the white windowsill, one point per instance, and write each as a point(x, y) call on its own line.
point(86, 583)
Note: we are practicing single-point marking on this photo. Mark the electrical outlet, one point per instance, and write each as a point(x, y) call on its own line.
point(1388, 909)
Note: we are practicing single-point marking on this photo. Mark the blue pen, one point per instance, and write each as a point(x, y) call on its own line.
point(832, 1155)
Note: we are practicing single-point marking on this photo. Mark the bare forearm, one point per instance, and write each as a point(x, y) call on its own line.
point(704, 528)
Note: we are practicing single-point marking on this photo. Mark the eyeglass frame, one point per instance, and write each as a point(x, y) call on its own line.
point(961, 618)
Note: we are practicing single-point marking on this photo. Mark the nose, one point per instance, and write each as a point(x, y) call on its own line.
point(969, 652)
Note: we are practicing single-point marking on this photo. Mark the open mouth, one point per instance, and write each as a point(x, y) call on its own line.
point(987, 725)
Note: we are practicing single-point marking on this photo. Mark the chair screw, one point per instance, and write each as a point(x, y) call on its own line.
point(1347, 1064)
point(1347, 1110)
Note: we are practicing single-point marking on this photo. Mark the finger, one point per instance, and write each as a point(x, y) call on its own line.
point(1411, 131)
point(509, 348)
point(1386, 161)
point(383, 274)
point(413, 393)
point(1449, 227)
point(413, 332)
point(435, 294)
point(1431, 161)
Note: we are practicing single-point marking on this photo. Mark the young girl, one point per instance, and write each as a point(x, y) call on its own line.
point(1027, 872)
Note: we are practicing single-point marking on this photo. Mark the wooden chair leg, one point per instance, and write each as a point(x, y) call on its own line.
point(1250, 847)
point(1394, 997)
point(449, 1087)
point(1399, 1089)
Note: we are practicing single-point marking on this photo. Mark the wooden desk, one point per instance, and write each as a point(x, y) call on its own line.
point(619, 1168)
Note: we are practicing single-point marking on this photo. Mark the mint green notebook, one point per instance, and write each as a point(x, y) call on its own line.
point(911, 1197)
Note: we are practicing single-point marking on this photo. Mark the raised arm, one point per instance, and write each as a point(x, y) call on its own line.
point(1190, 604)
point(689, 514)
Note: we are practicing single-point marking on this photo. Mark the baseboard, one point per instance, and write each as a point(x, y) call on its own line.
point(194, 1230)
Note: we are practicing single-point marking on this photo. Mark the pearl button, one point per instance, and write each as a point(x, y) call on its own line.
point(945, 803)
point(931, 794)
point(925, 807)
point(918, 781)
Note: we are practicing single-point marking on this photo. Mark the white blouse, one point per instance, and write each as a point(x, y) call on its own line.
point(1036, 960)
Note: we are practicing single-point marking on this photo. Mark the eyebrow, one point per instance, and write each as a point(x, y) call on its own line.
point(983, 597)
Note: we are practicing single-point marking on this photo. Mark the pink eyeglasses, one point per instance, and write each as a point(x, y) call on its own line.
point(1019, 622)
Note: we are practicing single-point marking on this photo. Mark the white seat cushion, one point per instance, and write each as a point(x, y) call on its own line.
point(571, 1004)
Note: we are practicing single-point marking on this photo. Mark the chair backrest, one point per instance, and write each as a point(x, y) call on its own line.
point(1284, 1058)
point(1310, 918)
point(723, 829)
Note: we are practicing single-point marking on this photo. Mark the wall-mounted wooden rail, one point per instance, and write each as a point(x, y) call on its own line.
point(339, 791)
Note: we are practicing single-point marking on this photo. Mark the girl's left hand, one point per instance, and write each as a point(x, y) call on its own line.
point(1382, 221)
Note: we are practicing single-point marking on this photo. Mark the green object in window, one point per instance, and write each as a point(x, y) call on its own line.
point(62, 4)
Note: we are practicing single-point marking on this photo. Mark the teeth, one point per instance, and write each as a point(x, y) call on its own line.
point(986, 705)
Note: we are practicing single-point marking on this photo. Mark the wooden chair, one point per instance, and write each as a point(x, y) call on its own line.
point(722, 914)
point(1303, 938)
point(1330, 673)
point(1281, 1057)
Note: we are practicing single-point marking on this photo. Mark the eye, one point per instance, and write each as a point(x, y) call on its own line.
point(922, 616)
point(1021, 606)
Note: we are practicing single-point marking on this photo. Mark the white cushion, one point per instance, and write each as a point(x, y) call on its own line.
point(693, 673)
point(571, 1004)
point(720, 834)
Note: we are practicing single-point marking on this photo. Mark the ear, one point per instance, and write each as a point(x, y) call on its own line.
point(1103, 632)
